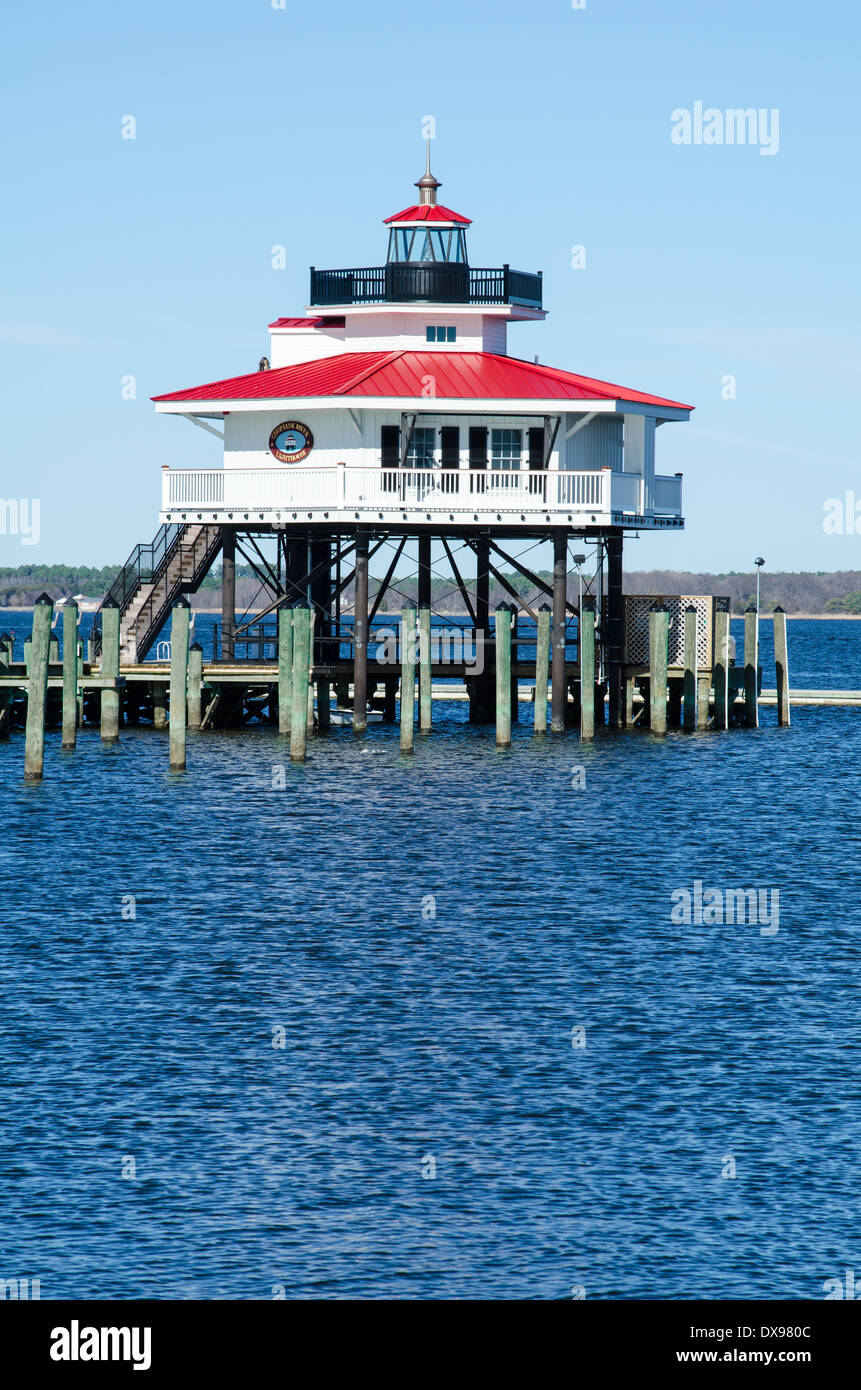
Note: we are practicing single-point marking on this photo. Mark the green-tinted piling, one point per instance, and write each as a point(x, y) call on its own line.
point(408, 678)
point(179, 625)
point(502, 633)
point(690, 682)
point(751, 645)
point(425, 711)
point(5, 695)
point(285, 668)
point(720, 670)
point(195, 685)
point(542, 667)
point(781, 667)
point(110, 668)
point(301, 670)
point(70, 674)
point(37, 689)
point(586, 644)
point(659, 637)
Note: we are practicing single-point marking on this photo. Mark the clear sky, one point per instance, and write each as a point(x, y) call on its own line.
point(259, 126)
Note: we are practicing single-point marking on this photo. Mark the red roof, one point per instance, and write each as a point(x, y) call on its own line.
point(296, 323)
point(429, 212)
point(456, 376)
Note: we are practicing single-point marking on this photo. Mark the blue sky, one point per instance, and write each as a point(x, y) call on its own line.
point(301, 126)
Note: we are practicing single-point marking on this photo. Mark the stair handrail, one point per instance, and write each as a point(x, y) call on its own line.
point(145, 565)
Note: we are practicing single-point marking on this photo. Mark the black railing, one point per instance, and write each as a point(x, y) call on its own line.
point(440, 282)
point(142, 567)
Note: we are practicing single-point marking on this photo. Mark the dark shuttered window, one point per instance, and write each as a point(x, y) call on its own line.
point(477, 446)
point(536, 447)
point(449, 440)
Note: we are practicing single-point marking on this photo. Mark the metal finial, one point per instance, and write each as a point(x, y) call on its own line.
point(427, 185)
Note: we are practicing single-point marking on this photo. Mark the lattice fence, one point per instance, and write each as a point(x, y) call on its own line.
point(637, 609)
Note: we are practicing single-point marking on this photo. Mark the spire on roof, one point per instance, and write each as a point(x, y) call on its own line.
point(427, 185)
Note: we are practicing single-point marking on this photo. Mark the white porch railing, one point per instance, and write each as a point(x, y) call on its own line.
point(427, 489)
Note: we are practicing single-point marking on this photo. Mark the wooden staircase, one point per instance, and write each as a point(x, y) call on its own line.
point(153, 578)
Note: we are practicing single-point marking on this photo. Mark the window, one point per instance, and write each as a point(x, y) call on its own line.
point(421, 448)
point(506, 448)
point(439, 333)
point(427, 244)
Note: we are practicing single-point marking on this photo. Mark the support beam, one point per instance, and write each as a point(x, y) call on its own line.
point(540, 584)
point(659, 637)
point(542, 664)
point(464, 592)
point(383, 589)
point(37, 689)
point(480, 686)
point(424, 589)
point(179, 627)
point(615, 628)
point(560, 580)
point(360, 644)
point(781, 668)
point(228, 594)
point(110, 666)
point(586, 652)
point(70, 674)
point(408, 678)
point(159, 704)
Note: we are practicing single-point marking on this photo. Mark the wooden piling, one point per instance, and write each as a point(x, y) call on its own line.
point(301, 669)
point(159, 704)
point(690, 684)
point(424, 653)
point(659, 635)
point(502, 645)
point(37, 689)
point(515, 684)
point(285, 668)
point(195, 685)
point(542, 666)
point(324, 703)
point(586, 646)
point(629, 701)
point(110, 666)
point(360, 635)
point(560, 616)
point(228, 593)
point(751, 710)
point(703, 688)
point(5, 695)
point(408, 678)
point(781, 666)
point(179, 626)
point(70, 674)
point(720, 669)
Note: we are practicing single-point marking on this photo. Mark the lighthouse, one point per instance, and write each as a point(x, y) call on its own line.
point(395, 411)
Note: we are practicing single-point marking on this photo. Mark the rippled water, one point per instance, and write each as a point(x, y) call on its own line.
point(411, 1037)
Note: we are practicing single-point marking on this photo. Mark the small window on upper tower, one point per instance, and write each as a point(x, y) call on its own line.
point(441, 333)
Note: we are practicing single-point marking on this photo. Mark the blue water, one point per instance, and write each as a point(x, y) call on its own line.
point(412, 1037)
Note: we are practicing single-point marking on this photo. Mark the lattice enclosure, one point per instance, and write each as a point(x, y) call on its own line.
point(637, 608)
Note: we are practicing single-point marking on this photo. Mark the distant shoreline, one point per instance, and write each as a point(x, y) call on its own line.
point(790, 617)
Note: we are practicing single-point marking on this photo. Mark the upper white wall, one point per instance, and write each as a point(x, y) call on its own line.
point(388, 331)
